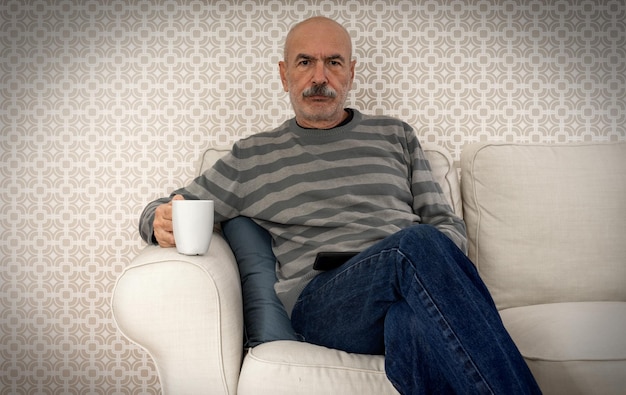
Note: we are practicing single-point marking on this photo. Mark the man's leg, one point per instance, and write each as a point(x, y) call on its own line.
point(409, 353)
point(417, 299)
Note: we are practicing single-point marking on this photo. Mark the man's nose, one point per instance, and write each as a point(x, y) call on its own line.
point(319, 76)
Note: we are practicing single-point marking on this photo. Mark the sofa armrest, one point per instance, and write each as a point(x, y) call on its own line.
point(186, 311)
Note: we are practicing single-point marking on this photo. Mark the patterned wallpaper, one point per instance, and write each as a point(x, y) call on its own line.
point(105, 105)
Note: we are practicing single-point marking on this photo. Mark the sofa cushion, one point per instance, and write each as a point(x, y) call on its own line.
point(264, 316)
point(546, 223)
point(445, 173)
point(210, 156)
point(577, 347)
point(287, 367)
point(441, 164)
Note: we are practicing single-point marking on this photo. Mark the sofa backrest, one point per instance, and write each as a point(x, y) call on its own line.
point(547, 223)
point(440, 160)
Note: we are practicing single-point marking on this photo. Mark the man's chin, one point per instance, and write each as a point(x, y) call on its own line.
point(321, 108)
point(319, 116)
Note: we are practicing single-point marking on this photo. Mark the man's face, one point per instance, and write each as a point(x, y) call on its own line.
point(317, 72)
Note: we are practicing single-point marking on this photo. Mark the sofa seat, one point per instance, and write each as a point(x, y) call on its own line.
point(289, 367)
point(572, 348)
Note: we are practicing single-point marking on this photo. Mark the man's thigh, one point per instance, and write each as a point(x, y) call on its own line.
point(345, 308)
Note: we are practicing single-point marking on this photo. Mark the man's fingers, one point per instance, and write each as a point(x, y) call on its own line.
point(162, 225)
point(163, 213)
point(165, 239)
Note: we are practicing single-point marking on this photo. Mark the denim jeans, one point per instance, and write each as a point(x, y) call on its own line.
point(417, 299)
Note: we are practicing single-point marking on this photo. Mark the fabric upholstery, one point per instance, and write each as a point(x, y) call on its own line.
point(572, 348)
point(174, 306)
point(546, 226)
point(287, 368)
point(543, 221)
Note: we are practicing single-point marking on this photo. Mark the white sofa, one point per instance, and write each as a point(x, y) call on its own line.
point(547, 231)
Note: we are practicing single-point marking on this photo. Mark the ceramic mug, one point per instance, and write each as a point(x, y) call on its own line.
point(192, 221)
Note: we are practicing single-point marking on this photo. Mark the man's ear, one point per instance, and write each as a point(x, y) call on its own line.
point(352, 68)
point(282, 68)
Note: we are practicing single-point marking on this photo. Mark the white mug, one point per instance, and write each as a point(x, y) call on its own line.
point(192, 221)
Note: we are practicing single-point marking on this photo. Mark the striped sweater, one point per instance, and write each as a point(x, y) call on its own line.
point(341, 189)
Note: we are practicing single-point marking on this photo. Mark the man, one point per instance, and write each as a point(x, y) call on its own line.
point(335, 180)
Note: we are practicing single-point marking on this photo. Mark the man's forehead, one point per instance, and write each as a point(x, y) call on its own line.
point(317, 47)
point(319, 37)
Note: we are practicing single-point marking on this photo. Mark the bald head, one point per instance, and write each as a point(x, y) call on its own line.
point(312, 26)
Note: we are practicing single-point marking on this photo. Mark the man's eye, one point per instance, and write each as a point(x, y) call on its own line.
point(336, 62)
point(304, 62)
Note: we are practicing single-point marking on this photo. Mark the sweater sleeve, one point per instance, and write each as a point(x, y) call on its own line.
point(429, 201)
point(218, 183)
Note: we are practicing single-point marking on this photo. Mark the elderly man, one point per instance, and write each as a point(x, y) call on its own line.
point(335, 180)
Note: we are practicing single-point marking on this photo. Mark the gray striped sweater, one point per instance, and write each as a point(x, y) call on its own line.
point(341, 189)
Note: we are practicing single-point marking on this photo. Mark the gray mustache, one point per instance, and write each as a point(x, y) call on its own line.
point(320, 90)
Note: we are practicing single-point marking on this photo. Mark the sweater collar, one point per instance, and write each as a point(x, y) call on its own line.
point(352, 119)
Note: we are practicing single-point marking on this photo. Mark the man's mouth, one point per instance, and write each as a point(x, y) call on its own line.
point(318, 98)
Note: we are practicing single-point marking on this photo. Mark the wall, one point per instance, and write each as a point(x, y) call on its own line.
point(107, 104)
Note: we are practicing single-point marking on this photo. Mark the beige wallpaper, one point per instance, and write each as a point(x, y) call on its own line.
point(107, 104)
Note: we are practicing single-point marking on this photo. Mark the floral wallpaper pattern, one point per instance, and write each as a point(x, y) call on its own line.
point(106, 105)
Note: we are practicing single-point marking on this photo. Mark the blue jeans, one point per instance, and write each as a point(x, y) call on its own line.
point(417, 299)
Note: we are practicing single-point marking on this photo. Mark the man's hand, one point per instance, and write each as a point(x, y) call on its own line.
point(162, 225)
